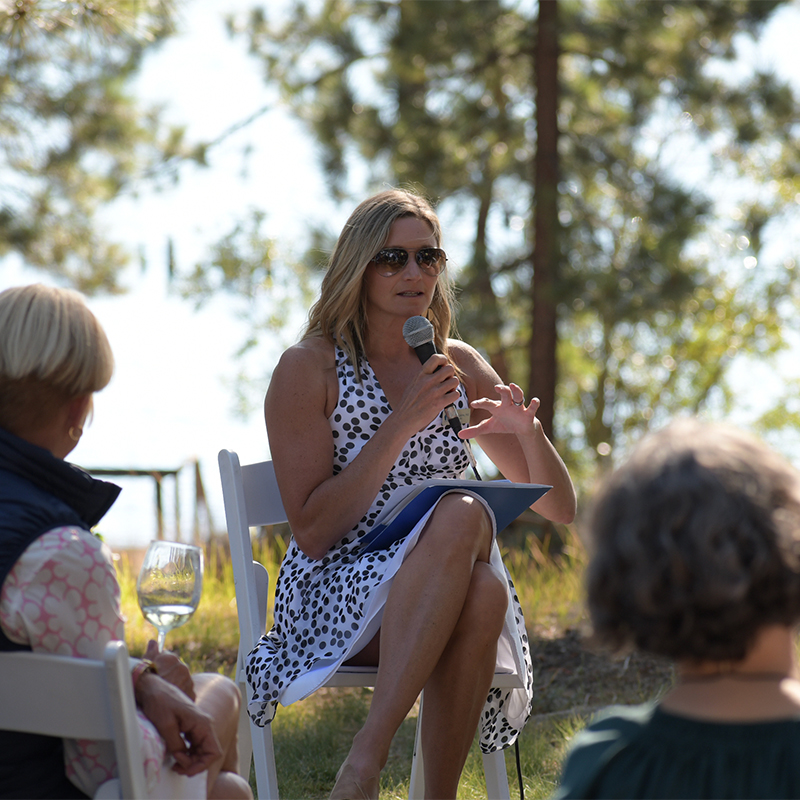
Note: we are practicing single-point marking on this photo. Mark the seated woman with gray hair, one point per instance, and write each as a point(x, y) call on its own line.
point(58, 587)
point(696, 557)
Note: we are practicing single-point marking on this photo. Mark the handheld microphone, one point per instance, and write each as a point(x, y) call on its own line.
point(418, 333)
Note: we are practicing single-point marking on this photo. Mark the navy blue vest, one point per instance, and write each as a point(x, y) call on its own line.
point(39, 492)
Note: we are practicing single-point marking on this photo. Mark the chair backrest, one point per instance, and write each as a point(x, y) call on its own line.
point(251, 498)
point(76, 698)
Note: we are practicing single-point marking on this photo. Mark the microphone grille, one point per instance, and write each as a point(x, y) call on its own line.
point(417, 331)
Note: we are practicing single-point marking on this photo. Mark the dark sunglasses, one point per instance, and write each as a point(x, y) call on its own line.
point(392, 260)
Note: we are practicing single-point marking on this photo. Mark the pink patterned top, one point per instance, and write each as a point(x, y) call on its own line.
point(62, 597)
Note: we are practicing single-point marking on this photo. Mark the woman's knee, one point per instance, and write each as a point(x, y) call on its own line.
point(218, 697)
point(229, 786)
point(460, 520)
point(213, 685)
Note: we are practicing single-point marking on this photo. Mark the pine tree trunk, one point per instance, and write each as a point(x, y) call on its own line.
point(542, 349)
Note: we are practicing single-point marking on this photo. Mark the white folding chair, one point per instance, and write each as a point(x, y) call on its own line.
point(77, 698)
point(82, 698)
point(252, 499)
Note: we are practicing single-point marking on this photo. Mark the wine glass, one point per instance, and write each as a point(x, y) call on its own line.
point(169, 585)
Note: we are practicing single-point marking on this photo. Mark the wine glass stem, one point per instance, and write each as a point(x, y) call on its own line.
point(161, 636)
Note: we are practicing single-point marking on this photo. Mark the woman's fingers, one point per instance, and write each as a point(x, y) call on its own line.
point(509, 414)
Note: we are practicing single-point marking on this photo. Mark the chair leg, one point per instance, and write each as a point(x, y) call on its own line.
point(416, 785)
point(245, 741)
point(255, 743)
point(494, 770)
point(264, 759)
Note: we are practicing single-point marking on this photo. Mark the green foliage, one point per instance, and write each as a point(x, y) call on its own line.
point(71, 135)
point(409, 90)
point(673, 173)
point(623, 374)
point(269, 287)
point(656, 305)
point(780, 425)
point(244, 263)
point(209, 641)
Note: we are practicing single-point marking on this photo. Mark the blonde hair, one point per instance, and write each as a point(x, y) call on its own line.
point(340, 315)
point(52, 350)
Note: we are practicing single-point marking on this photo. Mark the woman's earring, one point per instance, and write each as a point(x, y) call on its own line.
point(428, 314)
point(75, 432)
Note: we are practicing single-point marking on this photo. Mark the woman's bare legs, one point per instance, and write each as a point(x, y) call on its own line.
point(457, 689)
point(219, 698)
point(440, 625)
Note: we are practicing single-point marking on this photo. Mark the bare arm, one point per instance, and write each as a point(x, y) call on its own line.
point(512, 436)
point(323, 507)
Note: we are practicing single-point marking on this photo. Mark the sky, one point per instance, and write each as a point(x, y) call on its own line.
point(171, 399)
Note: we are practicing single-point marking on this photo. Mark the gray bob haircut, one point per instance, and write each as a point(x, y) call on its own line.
point(52, 350)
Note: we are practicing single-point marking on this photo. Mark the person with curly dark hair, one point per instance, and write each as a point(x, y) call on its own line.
point(696, 557)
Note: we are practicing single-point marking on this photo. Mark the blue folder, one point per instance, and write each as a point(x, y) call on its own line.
point(506, 499)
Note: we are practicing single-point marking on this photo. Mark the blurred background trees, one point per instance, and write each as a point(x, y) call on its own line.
point(662, 179)
point(622, 180)
point(72, 136)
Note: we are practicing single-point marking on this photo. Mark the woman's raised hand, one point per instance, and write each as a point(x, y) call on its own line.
point(509, 414)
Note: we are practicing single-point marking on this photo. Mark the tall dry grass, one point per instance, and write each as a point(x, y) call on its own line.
point(312, 737)
point(210, 639)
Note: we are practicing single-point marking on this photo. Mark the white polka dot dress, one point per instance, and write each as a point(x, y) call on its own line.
point(327, 610)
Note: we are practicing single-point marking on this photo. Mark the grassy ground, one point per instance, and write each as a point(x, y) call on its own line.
point(311, 738)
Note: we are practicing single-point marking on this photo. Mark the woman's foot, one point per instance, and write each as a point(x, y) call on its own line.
point(349, 786)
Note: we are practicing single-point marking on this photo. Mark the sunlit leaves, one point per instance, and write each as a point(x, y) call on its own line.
point(270, 289)
point(71, 134)
point(673, 174)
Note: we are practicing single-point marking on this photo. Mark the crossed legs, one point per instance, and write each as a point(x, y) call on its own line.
point(457, 688)
point(440, 626)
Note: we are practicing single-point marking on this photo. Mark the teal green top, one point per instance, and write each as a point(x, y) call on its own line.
point(644, 752)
